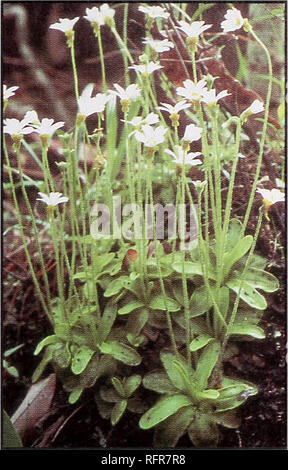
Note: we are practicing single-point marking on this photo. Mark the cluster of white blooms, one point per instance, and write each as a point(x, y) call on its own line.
point(100, 16)
point(144, 130)
point(199, 92)
point(30, 123)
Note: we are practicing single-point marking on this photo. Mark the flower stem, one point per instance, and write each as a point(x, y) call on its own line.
point(168, 315)
point(20, 223)
point(264, 131)
point(74, 69)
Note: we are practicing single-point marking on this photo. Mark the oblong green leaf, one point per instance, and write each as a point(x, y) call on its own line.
point(223, 301)
point(247, 329)
point(47, 357)
point(80, 358)
point(248, 293)
point(234, 394)
point(261, 279)
point(118, 386)
point(200, 302)
point(130, 307)
point(164, 408)
point(179, 376)
point(75, 395)
point(159, 303)
point(131, 384)
point(239, 250)
point(117, 411)
point(121, 352)
point(107, 321)
point(158, 381)
point(115, 286)
point(189, 268)
point(48, 340)
point(200, 342)
point(206, 363)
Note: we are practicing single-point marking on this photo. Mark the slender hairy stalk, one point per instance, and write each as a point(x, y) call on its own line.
point(163, 292)
point(263, 134)
point(20, 223)
point(73, 60)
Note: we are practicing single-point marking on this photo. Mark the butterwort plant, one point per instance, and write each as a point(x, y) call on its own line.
point(116, 296)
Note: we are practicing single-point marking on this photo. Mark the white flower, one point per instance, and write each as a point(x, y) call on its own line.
point(150, 136)
point(210, 97)
point(94, 16)
point(32, 118)
point(65, 25)
point(88, 105)
point(17, 128)
point(146, 69)
point(132, 92)
point(271, 197)
point(192, 133)
point(53, 199)
point(47, 127)
point(8, 92)
point(192, 91)
point(194, 29)
point(107, 13)
point(233, 20)
point(159, 46)
point(154, 12)
point(181, 157)
point(174, 109)
point(256, 107)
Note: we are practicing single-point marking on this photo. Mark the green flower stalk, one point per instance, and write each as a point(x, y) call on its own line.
point(66, 26)
point(17, 144)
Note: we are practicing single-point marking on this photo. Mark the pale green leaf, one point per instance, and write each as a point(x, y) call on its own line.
point(200, 342)
point(121, 352)
point(159, 303)
point(206, 364)
point(247, 329)
point(81, 357)
point(164, 408)
point(117, 411)
point(130, 307)
point(239, 250)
